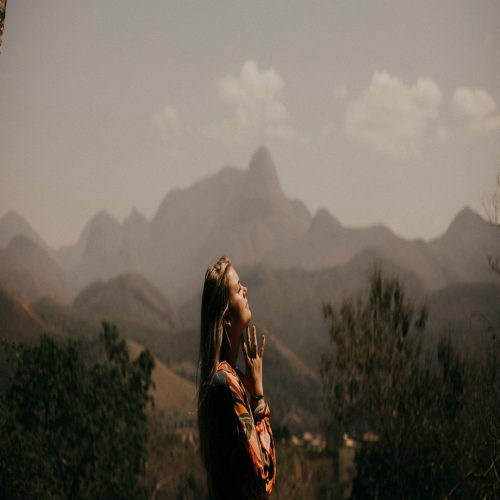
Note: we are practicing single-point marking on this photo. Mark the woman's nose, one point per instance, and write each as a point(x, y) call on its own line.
point(245, 290)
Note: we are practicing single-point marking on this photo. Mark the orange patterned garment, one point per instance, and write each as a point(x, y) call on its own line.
point(242, 461)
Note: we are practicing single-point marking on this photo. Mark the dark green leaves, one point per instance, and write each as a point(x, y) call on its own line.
point(71, 427)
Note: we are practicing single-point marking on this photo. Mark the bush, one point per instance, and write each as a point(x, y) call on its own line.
point(416, 419)
point(74, 429)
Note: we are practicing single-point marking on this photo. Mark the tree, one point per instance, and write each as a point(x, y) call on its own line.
point(75, 428)
point(492, 207)
point(403, 410)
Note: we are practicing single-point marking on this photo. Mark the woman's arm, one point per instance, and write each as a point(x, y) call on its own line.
point(256, 438)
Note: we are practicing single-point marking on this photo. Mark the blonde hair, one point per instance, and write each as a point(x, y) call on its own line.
point(214, 306)
point(214, 341)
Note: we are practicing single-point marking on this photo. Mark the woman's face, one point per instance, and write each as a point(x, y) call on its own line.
point(239, 313)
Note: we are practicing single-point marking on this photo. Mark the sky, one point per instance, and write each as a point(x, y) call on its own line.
point(381, 112)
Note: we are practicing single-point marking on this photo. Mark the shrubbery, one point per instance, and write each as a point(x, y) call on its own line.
point(75, 428)
point(432, 424)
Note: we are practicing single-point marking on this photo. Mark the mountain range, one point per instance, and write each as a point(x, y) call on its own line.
point(146, 275)
point(243, 214)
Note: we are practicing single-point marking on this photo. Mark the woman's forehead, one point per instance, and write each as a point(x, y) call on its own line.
point(233, 276)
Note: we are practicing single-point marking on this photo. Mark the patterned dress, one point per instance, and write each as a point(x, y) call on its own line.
point(242, 460)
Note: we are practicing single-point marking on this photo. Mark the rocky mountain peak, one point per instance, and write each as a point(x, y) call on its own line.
point(262, 174)
point(323, 222)
point(103, 219)
point(466, 221)
point(14, 218)
point(104, 232)
point(12, 224)
point(128, 297)
point(135, 221)
point(135, 215)
point(23, 244)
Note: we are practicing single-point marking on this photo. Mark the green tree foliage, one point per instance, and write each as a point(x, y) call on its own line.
point(482, 424)
point(411, 415)
point(72, 428)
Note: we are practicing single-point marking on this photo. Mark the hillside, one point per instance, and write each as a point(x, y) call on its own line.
point(469, 312)
point(28, 269)
point(18, 323)
point(66, 319)
point(327, 243)
point(465, 247)
point(174, 396)
point(131, 298)
point(13, 224)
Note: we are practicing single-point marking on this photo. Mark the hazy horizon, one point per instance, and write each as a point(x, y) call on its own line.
point(121, 220)
point(381, 113)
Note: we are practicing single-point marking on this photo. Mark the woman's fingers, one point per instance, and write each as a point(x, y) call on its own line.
point(250, 347)
point(262, 344)
point(250, 344)
point(254, 336)
point(245, 351)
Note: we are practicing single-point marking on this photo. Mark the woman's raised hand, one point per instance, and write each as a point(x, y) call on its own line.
point(252, 379)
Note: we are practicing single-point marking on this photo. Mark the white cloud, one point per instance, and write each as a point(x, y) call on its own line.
point(391, 117)
point(257, 110)
point(340, 92)
point(479, 107)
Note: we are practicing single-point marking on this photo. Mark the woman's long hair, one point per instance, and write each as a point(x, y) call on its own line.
point(214, 305)
point(214, 341)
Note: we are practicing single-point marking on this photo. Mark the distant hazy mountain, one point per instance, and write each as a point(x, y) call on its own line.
point(459, 256)
point(135, 248)
point(240, 213)
point(100, 250)
point(470, 312)
point(245, 214)
point(13, 224)
point(464, 248)
point(257, 216)
point(69, 256)
point(106, 248)
point(28, 269)
point(327, 243)
point(128, 297)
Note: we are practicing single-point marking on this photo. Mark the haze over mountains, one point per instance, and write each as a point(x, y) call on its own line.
point(243, 214)
point(146, 275)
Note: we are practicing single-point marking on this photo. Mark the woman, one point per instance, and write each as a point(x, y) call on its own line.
point(236, 440)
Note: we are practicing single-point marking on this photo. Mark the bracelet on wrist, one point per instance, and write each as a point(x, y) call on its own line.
point(257, 398)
